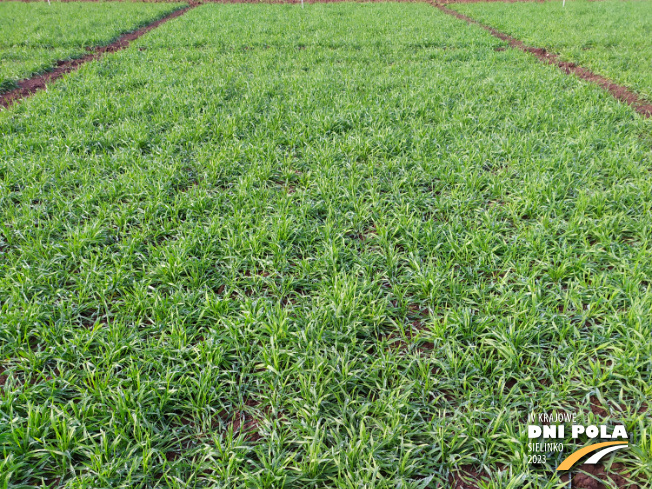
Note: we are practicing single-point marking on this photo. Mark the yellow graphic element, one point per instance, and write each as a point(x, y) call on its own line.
point(575, 456)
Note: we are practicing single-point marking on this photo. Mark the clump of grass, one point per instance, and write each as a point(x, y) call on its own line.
point(6, 85)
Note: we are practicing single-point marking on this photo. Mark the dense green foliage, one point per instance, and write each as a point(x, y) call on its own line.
point(351, 245)
point(34, 36)
point(613, 38)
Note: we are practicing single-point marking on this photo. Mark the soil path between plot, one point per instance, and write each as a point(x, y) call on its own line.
point(32, 85)
point(620, 92)
point(299, 1)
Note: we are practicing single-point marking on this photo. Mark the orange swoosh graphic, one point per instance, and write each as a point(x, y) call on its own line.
point(575, 456)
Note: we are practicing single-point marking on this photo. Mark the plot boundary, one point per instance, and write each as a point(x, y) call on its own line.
point(619, 92)
point(292, 2)
point(30, 86)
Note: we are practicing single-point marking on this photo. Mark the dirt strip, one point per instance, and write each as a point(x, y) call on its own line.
point(620, 92)
point(31, 85)
point(295, 1)
point(447, 2)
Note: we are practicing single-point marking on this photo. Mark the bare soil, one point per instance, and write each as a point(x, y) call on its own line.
point(466, 478)
point(292, 1)
point(595, 474)
point(503, 1)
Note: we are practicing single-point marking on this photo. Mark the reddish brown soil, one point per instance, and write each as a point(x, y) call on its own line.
point(597, 408)
point(616, 475)
point(244, 423)
point(295, 2)
point(467, 478)
point(493, 1)
point(463, 1)
point(32, 85)
point(292, 1)
point(600, 410)
point(77, 1)
point(621, 93)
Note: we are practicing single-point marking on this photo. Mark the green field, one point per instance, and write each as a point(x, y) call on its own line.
point(34, 36)
point(613, 38)
point(345, 246)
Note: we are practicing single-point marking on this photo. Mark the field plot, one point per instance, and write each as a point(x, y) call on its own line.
point(350, 245)
point(34, 36)
point(613, 38)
